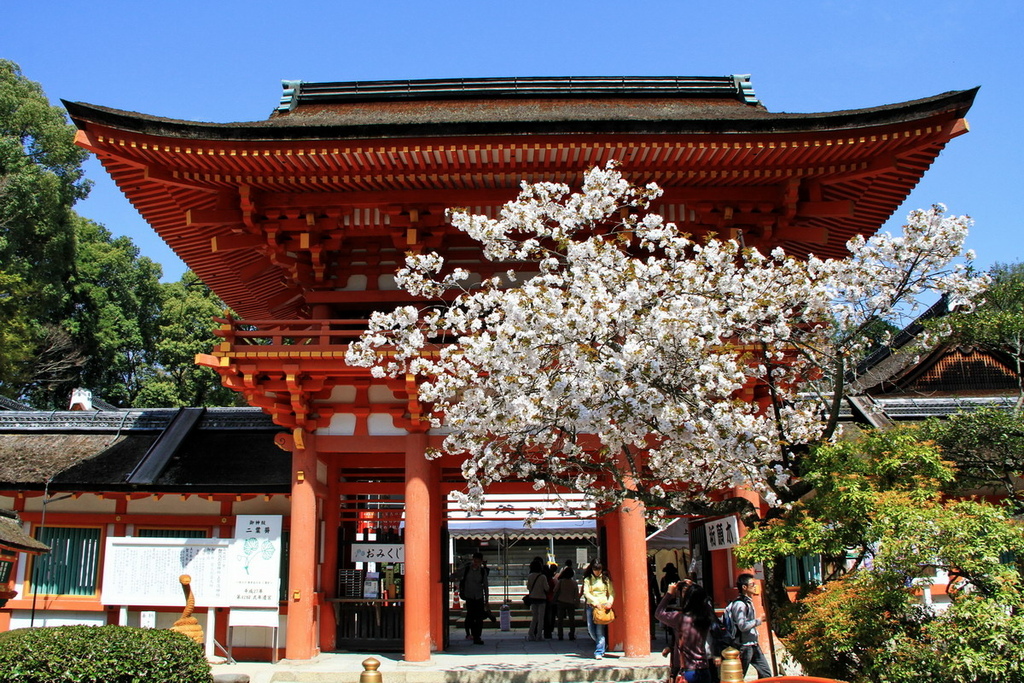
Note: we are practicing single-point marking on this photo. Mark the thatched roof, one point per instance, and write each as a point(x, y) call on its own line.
point(13, 538)
point(35, 458)
point(227, 451)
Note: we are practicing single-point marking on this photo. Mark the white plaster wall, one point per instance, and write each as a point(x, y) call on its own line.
point(344, 393)
point(379, 393)
point(87, 502)
point(277, 505)
point(172, 504)
point(23, 618)
point(342, 424)
point(356, 283)
point(257, 636)
point(166, 619)
point(386, 282)
point(7, 502)
point(382, 424)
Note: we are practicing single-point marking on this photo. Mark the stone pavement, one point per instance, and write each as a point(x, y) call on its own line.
point(505, 657)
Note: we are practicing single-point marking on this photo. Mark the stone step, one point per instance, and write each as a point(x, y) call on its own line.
point(503, 658)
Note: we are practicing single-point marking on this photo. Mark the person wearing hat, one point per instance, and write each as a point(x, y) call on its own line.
point(671, 577)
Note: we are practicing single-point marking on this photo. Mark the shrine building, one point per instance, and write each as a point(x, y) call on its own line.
point(299, 222)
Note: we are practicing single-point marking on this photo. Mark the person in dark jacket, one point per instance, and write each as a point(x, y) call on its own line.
point(473, 588)
point(537, 584)
point(567, 596)
point(671, 576)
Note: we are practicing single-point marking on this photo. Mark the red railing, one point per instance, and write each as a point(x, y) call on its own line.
point(290, 333)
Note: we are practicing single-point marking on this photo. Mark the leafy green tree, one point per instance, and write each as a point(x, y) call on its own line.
point(41, 178)
point(78, 306)
point(998, 323)
point(185, 328)
point(16, 331)
point(880, 519)
point(987, 448)
point(116, 300)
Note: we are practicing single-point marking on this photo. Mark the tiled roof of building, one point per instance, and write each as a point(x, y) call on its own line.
point(643, 109)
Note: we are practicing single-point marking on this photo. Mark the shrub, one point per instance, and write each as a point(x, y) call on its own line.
point(100, 654)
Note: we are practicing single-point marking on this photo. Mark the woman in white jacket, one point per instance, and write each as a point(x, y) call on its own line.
point(598, 591)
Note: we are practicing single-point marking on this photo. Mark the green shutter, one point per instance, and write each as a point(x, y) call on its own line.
point(811, 573)
point(71, 566)
point(792, 574)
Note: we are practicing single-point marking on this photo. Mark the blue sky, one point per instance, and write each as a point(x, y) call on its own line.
point(223, 60)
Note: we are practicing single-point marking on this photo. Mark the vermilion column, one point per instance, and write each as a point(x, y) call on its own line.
point(438, 586)
point(329, 570)
point(636, 607)
point(302, 618)
point(419, 574)
point(759, 606)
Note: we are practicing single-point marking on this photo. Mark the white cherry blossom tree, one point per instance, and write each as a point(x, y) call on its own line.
point(620, 358)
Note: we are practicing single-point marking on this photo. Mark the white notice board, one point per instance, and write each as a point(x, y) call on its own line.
point(226, 572)
point(256, 578)
point(145, 571)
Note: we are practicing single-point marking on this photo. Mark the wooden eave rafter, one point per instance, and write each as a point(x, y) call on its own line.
point(236, 210)
point(214, 163)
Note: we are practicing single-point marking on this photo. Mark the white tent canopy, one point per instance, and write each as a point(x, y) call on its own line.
point(502, 528)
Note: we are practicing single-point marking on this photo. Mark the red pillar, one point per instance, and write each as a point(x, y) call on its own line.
point(419, 575)
point(329, 570)
point(759, 606)
point(301, 642)
point(636, 608)
point(438, 587)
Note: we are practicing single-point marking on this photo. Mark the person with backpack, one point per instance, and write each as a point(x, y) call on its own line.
point(473, 588)
point(690, 620)
point(742, 622)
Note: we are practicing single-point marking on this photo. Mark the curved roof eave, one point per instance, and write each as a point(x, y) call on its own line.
point(323, 127)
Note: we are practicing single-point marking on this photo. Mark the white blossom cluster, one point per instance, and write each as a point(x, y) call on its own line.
point(617, 366)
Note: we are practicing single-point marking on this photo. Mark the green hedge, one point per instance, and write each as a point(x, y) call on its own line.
point(101, 654)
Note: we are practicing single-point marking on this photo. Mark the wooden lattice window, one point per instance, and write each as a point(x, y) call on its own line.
point(72, 565)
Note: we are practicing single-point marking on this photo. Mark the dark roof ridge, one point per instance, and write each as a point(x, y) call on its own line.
point(735, 87)
point(137, 419)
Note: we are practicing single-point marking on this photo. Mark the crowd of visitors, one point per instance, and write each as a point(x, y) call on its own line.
point(695, 634)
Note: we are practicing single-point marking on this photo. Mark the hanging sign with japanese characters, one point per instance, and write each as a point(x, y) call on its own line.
point(722, 533)
point(256, 561)
point(378, 552)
